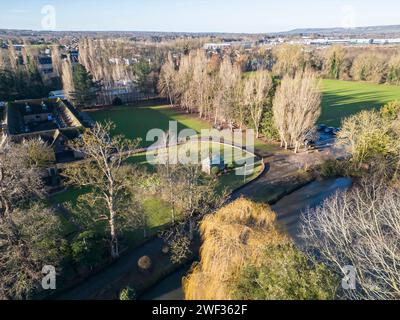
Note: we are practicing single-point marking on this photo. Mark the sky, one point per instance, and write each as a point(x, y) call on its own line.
point(240, 16)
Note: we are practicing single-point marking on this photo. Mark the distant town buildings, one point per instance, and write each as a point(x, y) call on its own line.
point(328, 41)
point(225, 45)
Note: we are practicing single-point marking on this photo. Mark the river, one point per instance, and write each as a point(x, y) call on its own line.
point(288, 211)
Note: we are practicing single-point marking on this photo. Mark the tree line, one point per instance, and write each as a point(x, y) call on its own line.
point(377, 65)
point(19, 74)
point(284, 107)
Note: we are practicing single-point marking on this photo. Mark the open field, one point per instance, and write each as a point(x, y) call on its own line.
point(158, 211)
point(197, 151)
point(134, 122)
point(344, 98)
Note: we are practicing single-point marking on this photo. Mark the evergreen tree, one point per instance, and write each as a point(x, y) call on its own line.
point(85, 88)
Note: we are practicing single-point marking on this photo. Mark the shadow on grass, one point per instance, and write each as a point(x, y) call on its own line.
point(336, 108)
point(134, 122)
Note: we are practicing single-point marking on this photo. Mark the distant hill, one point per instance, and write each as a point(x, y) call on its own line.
point(364, 31)
point(392, 31)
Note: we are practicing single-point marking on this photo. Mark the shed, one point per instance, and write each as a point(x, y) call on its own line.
point(213, 161)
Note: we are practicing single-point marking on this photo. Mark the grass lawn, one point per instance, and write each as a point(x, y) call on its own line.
point(134, 122)
point(157, 211)
point(200, 150)
point(344, 98)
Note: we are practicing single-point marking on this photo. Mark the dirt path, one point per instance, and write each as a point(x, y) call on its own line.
point(90, 288)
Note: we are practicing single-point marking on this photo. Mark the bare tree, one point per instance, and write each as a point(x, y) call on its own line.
point(102, 174)
point(289, 60)
point(67, 77)
point(56, 59)
point(297, 107)
point(28, 232)
point(20, 177)
point(370, 66)
point(29, 240)
point(225, 99)
point(195, 196)
point(360, 228)
point(257, 90)
point(167, 78)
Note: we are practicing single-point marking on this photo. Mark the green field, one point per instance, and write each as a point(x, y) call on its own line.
point(135, 122)
point(344, 98)
point(200, 150)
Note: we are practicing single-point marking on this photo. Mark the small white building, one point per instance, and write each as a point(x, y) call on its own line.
point(216, 161)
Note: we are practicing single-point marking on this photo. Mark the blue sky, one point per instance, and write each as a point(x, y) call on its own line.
point(251, 16)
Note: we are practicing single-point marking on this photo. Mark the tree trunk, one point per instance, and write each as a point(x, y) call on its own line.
point(191, 229)
point(113, 231)
point(5, 207)
point(114, 239)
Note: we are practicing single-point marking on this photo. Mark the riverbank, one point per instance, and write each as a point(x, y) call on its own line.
point(288, 211)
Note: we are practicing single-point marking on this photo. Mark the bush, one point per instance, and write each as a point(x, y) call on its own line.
point(215, 171)
point(285, 274)
point(165, 249)
point(145, 263)
point(127, 294)
point(117, 101)
point(332, 169)
point(88, 249)
point(391, 111)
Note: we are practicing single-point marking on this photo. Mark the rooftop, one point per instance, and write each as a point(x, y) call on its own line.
point(33, 116)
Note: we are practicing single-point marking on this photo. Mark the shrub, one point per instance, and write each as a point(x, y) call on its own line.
point(230, 166)
point(127, 294)
point(117, 101)
point(88, 248)
point(391, 111)
point(285, 274)
point(165, 249)
point(145, 263)
point(215, 171)
point(332, 169)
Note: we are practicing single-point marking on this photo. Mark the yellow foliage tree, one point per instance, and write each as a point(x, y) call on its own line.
point(232, 238)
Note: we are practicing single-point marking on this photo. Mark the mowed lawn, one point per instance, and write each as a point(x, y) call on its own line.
point(344, 98)
point(134, 122)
